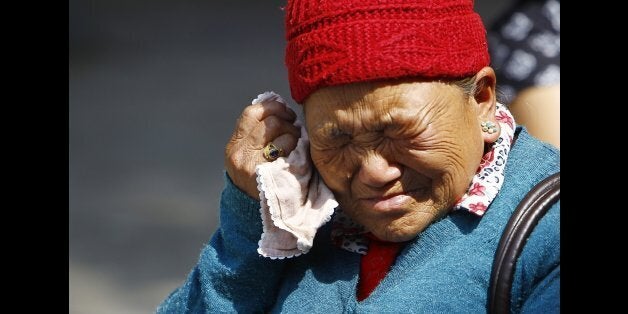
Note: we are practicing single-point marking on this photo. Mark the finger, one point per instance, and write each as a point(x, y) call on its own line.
point(244, 126)
point(253, 114)
point(279, 109)
point(287, 142)
point(263, 110)
point(271, 128)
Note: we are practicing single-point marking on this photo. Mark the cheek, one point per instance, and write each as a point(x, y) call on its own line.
point(427, 156)
point(448, 157)
point(334, 167)
point(474, 149)
point(467, 161)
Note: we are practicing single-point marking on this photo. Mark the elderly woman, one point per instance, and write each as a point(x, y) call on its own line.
point(414, 172)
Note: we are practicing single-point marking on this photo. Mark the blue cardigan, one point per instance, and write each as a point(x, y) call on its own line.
point(445, 269)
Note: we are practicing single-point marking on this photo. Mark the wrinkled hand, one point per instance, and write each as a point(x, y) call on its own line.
point(258, 125)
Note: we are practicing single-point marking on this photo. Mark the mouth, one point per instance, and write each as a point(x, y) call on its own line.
point(391, 203)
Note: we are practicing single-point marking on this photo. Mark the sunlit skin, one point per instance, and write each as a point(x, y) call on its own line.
point(398, 154)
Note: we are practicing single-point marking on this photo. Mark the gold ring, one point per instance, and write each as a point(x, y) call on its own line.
point(272, 152)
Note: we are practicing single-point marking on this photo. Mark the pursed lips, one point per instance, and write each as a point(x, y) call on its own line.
point(389, 202)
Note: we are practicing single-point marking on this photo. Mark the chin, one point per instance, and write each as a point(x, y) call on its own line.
point(393, 234)
point(395, 237)
point(401, 226)
point(402, 229)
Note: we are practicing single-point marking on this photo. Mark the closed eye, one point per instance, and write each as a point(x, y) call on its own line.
point(402, 132)
point(330, 139)
point(337, 136)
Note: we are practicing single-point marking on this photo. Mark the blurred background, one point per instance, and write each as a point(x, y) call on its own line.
point(155, 88)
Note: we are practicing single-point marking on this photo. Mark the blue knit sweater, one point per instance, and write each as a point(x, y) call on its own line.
point(445, 269)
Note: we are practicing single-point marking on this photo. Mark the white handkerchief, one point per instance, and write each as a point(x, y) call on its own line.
point(294, 200)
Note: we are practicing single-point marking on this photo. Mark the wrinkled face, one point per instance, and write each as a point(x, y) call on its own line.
point(398, 155)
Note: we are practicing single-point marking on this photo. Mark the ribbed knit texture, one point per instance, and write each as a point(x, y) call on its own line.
point(446, 269)
point(332, 42)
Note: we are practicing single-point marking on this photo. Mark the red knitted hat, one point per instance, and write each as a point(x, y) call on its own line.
point(332, 42)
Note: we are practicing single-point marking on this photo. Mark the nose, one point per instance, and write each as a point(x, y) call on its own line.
point(376, 171)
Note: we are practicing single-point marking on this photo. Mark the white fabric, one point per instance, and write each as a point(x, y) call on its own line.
point(294, 200)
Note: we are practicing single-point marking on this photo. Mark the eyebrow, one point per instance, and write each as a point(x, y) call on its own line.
point(329, 129)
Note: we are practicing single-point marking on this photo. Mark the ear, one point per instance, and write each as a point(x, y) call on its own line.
point(486, 102)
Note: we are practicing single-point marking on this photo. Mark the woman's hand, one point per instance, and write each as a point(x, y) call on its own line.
point(259, 124)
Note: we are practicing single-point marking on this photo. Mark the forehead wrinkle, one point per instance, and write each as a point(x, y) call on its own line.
point(371, 107)
point(369, 113)
point(432, 102)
